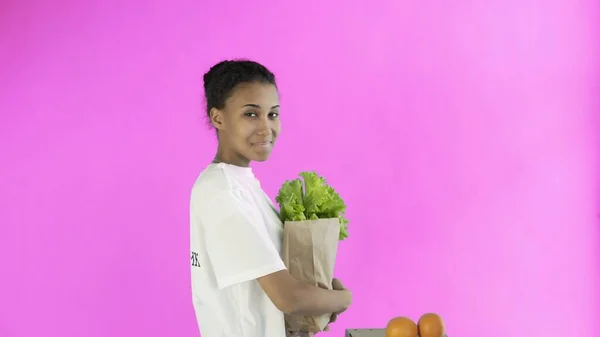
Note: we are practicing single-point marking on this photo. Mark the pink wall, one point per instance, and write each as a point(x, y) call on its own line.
point(478, 205)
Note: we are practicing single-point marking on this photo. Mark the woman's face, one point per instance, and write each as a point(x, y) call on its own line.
point(249, 124)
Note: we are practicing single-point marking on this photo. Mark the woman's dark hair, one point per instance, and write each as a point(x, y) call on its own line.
point(223, 77)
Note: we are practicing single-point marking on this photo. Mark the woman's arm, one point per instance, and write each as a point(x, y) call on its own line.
point(295, 297)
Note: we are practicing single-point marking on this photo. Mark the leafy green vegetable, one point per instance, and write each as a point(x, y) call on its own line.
point(310, 198)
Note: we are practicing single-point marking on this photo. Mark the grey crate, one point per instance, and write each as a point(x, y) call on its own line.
point(367, 333)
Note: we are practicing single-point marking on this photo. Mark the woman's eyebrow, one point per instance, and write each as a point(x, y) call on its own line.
point(258, 106)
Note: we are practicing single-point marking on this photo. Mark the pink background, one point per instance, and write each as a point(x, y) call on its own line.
point(460, 134)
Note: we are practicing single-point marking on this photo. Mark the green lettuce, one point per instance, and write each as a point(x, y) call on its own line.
point(310, 198)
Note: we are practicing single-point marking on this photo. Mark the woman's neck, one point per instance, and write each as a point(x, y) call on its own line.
point(230, 158)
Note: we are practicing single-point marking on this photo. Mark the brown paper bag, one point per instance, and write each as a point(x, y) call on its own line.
point(309, 252)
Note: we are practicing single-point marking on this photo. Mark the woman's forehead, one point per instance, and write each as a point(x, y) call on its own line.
point(260, 94)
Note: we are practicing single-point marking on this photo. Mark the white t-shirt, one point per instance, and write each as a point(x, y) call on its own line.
point(235, 238)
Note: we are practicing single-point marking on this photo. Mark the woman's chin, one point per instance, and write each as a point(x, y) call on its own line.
point(261, 155)
point(261, 158)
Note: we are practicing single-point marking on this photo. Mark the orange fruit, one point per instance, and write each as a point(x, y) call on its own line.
point(401, 327)
point(431, 325)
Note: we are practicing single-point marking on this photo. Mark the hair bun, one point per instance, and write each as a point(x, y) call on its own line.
point(207, 78)
point(215, 70)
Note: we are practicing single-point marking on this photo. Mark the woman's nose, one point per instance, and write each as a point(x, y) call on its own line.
point(264, 131)
point(264, 127)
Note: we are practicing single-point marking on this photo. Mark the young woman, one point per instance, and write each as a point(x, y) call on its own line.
point(240, 285)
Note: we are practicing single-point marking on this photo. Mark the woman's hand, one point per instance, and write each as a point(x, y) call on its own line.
point(337, 285)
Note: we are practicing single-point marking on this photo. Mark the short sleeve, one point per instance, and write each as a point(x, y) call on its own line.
point(237, 242)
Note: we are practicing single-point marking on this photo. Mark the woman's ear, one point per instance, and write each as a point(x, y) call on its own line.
point(216, 118)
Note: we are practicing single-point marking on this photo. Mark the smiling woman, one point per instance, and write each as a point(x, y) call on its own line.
point(247, 118)
point(240, 284)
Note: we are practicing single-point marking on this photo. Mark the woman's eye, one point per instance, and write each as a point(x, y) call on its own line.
point(254, 114)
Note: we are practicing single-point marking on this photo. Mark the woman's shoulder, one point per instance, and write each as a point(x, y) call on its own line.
point(214, 184)
point(212, 177)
